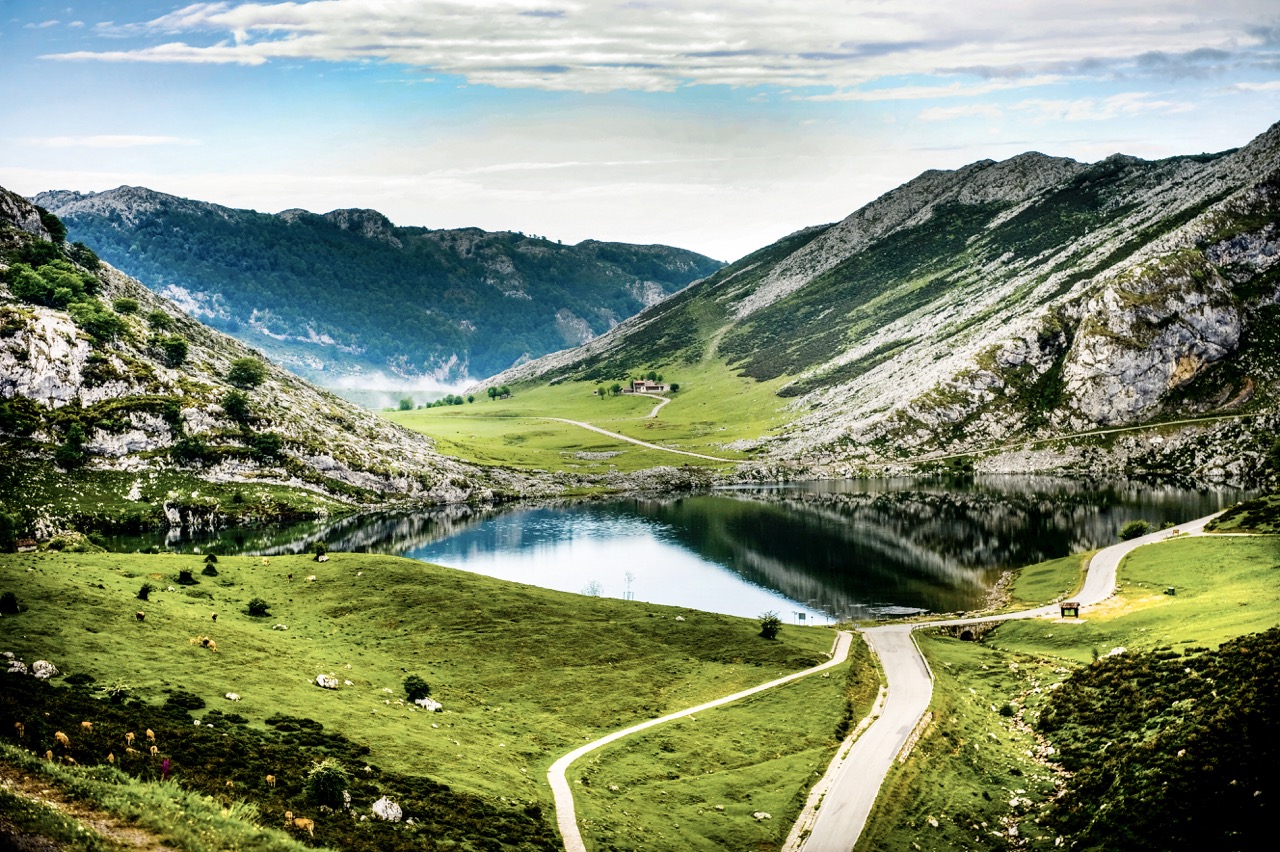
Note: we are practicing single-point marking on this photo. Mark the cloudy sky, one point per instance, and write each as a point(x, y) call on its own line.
point(716, 126)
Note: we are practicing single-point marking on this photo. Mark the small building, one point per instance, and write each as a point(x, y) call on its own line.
point(26, 545)
point(646, 386)
point(1070, 609)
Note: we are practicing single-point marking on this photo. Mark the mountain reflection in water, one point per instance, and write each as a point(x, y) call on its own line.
point(853, 549)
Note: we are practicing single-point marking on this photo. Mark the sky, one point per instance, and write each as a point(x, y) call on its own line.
point(714, 126)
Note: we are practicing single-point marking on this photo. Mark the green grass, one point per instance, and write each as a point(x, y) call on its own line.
point(186, 821)
point(1259, 516)
point(1048, 581)
point(525, 674)
point(713, 408)
point(695, 783)
point(1226, 587)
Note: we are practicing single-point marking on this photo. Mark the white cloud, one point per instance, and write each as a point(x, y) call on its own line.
point(106, 141)
point(664, 45)
point(43, 25)
point(1100, 109)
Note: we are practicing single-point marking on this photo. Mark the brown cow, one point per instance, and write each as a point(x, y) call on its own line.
point(151, 735)
point(63, 739)
point(155, 750)
point(300, 822)
point(271, 781)
point(19, 729)
point(88, 726)
point(128, 738)
point(140, 615)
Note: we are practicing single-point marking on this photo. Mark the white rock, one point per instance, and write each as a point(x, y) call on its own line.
point(43, 669)
point(385, 809)
point(327, 681)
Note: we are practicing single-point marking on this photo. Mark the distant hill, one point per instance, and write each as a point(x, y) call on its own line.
point(348, 291)
point(970, 310)
point(119, 410)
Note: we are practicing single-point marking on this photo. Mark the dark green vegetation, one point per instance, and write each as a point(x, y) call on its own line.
point(1170, 751)
point(1261, 516)
point(410, 298)
point(228, 759)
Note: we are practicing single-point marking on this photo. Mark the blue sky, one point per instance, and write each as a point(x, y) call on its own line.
point(714, 126)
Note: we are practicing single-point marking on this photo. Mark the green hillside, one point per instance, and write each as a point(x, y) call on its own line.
point(348, 290)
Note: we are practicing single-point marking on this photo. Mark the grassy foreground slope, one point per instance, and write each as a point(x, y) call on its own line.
point(985, 773)
point(524, 674)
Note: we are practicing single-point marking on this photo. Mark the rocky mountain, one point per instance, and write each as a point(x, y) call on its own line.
point(970, 311)
point(116, 401)
point(348, 291)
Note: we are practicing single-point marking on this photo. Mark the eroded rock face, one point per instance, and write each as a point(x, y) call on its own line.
point(22, 213)
point(1144, 336)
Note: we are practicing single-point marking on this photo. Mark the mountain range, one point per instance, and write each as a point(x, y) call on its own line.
point(994, 308)
point(348, 292)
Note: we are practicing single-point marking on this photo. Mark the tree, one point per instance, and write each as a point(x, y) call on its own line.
point(247, 373)
point(144, 591)
point(675, 386)
point(71, 453)
point(236, 404)
point(266, 446)
point(159, 320)
point(615, 388)
point(8, 533)
point(600, 391)
point(125, 305)
point(258, 607)
point(406, 403)
point(52, 224)
point(319, 549)
point(415, 687)
point(326, 782)
point(173, 349)
point(493, 393)
point(770, 624)
point(98, 322)
point(1134, 529)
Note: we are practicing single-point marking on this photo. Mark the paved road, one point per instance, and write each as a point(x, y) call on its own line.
point(855, 776)
point(566, 818)
point(637, 441)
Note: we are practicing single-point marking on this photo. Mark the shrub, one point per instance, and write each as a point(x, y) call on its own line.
point(246, 373)
point(9, 603)
point(770, 625)
point(258, 607)
point(319, 549)
point(52, 224)
point(83, 255)
point(415, 687)
point(210, 558)
point(173, 349)
point(1134, 529)
point(96, 321)
point(266, 446)
point(71, 453)
point(236, 404)
point(184, 701)
point(144, 593)
point(185, 578)
point(326, 781)
point(1006, 709)
point(189, 449)
point(125, 305)
point(209, 570)
point(406, 403)
point(8, 533)
point(159, 320)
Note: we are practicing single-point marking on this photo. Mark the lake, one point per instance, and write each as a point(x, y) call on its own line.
point(811, 551)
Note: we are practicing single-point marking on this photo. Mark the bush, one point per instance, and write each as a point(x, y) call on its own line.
point(319, 549)
point(185, 578)
point(415, 687)
point(184, 701)
point(236, 404)
point(189, 449)
point(406, 403)
point(52, 224)
point(326, 781)
point(266, 446)
point(144, 593)
point(9, 603)
point(258, 607)
point(246, 373)
point(93, 317)
point(210, 558)
point(8, 533)
point(159, 320)
point(173, 349)
point(770, 625)
point(83, 255)
point(125, 305)
point(1134, 529)
point(209, 571)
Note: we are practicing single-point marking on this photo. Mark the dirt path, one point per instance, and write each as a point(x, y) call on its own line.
point(566, 817)
point(639, 442)
point(834, 820)
point(124, 835)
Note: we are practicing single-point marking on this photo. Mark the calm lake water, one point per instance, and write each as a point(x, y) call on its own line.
point(852, 549)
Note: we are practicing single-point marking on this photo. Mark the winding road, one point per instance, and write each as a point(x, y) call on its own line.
point(855, 776)
point(566, 817)
point(621, 437)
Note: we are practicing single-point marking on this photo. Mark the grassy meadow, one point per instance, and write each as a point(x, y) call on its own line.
point(524, 674)
point(711, 410)
point(979, 769)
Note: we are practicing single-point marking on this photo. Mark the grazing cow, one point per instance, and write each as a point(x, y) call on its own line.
point(128, 738)
point(131, 751)
point(111, 758)
point(63, 739)
point(215, 616)
point(211, 645)
point(71, 761)
point(155, 750)
point(88, 726)
point(19, 729)
point(266, 561)
point(288, 576)
point(230, 784)
point(48, 755)
point(140, 615)
point(300, 823)
point(271, 781)
point(151, 735)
